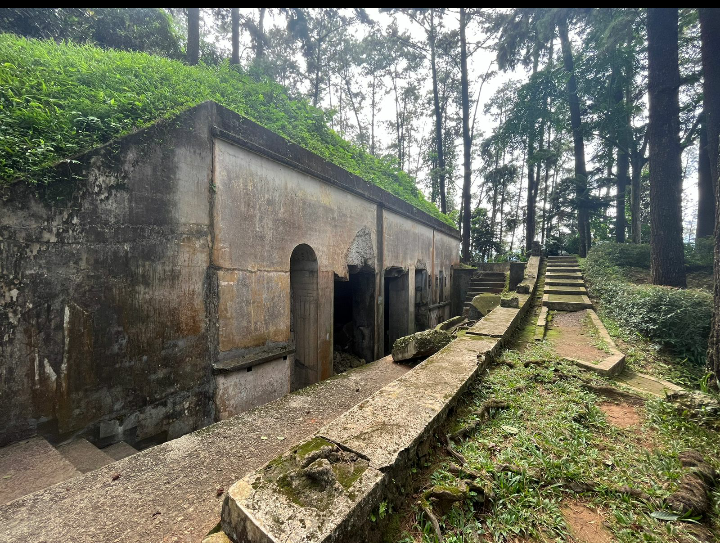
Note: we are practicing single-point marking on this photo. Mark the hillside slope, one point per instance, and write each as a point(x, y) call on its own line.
point(57, 100)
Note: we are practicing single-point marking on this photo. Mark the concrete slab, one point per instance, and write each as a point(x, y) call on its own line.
point(170, 492)
point(566, 302)
point(120, 450)
point(565, 289)
point(28, 466)
point(314, 492)
point(496, 323)
point(84, 455)
point(395, 419)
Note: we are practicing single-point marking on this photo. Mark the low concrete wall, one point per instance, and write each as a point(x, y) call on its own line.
point(366, 454)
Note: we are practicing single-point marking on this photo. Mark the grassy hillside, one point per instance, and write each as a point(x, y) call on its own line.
point(57, 100)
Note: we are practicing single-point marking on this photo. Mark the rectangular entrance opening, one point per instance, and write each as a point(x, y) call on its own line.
point(396, 306)
point(354, 321)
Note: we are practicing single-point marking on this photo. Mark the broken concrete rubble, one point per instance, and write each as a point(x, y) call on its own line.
point(420, 345)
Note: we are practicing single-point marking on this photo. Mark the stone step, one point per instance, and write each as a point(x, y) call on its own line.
point(84, 455)
point(563, 275)
point(494, 290)
point(500, 275)
point(564, 282)
point(119, 450)
point(552, 289)
point(488, 284)
point(566, 302)
point(31, 465)
point(562, 258)
point(563, 269)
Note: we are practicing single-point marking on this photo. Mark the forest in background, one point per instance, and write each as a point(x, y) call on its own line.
point(592, 141)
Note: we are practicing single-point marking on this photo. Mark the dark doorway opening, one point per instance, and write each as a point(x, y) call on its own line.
point(304, 316)
point(354, 320)
point(422, 301)
point(396, 306)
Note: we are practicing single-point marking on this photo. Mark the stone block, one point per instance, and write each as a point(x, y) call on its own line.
point(420, 344)
point(486, 302)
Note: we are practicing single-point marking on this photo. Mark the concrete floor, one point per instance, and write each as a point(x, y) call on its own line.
point(174, 492)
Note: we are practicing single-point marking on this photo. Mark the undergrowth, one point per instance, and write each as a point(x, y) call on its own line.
point(60, 99)
point(676, 318)
point(556, 437)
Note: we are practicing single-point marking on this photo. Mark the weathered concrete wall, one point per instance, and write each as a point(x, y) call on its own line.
point(154, 296)
point(102, 275)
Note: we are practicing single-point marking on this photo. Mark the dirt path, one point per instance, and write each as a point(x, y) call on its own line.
point(173, 492)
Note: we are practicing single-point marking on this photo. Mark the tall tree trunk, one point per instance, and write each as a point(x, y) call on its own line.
point(438, 117)
point(372, 116)
point(706, 193)
point(467, 142)
point(666, 245)
point(710, 38)
point(235, 24)
point(623, 165)
point(193, 45)
point(578, 142)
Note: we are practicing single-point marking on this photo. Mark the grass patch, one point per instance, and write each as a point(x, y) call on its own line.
point(556, 434)
point(59, 99)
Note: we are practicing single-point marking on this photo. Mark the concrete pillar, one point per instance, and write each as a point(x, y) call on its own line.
point(326, 289)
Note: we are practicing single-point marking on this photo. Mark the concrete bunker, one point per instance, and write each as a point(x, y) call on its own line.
point(304, 316)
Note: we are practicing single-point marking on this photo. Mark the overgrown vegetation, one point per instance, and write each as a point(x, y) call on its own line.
point(57, 100)
point(555, 446)
point(677, 318)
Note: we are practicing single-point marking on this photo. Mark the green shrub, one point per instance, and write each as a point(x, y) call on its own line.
point(58, 100)
point(677, 318)
point(699, 256)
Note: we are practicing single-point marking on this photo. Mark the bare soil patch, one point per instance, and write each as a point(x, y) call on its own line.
point(621, 415)
point(586, 525)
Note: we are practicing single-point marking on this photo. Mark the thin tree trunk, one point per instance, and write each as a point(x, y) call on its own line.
point(623, 166)
point(710, 38)
point(235, 24)
point(438, 117)
point(666, 244)
point(467, 142)
point(578, 142)
point(193, 45)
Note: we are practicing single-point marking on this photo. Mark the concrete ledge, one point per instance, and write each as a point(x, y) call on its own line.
point(382, 437)
point(610, 365)
point(541, 325)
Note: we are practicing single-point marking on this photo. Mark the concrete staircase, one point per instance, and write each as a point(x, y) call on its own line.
point(564, 285)
point(482, 282)
point(33, 464)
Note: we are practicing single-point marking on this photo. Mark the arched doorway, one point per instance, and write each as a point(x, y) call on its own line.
point(304, 316)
